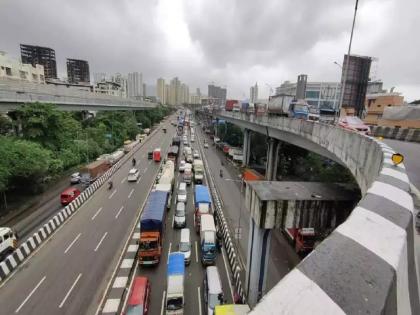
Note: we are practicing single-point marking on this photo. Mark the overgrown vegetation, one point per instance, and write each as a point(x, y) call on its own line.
point(39, 142)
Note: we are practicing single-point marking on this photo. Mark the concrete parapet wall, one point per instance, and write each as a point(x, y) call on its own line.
point(367, 265)
point(403, 134)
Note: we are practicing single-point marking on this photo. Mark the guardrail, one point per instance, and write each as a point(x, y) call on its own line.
point(367, 265)
point(403, 134)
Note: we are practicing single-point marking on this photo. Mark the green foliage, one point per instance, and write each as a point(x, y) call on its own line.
point(231, 134)
point(5, 125)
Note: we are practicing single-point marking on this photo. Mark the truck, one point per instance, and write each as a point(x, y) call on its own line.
point(173, 152)
point(129, 145)
point(198, 171)
point(93, 171)
point(152, 226)
point(303, 239)
point(176, 140)
point(202, 203)
point(230, 104)
point(166, 180)
point(175, 284)
point(207, 239)
point(250, 174)
point(156, 155)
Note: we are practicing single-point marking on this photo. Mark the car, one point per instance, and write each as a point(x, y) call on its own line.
point(75, 178)
point(206, 144)
point(179, 215)
point(182, 166)
point(192, 138)
point(133, 175)
point(196, 155)
point(139, 297)
point(354, 123)
point(68, 195)
point(182, 193)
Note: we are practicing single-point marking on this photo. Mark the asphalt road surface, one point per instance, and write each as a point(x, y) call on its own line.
point(69, 272)
point(194, 302)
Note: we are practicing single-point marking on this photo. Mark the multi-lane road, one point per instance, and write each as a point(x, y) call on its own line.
point(69, 272)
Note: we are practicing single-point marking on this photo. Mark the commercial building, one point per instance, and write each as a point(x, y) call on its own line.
point(135, 85)
point(160, 90)
point(42, 56)
point(13, 69)
point(110, 88)
point(195, 99)
point(317, 94)
point(122, 82)
point(253, 93)
point(376, 103)
point(78, 71)
point(355, 84)
point(218, 94)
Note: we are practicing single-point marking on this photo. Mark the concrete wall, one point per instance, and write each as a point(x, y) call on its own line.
point(404, 134)
point(367, 265)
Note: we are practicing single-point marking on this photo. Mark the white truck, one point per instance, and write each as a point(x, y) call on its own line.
point(166, 180)
point(8, 242)
point(175, 284)
point(198, 171)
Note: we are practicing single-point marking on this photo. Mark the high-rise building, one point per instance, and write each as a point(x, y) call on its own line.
point(135, 85)
point(122, 82)
point(185, 94)
point(78, 71)
point(253, 93)
point(198, 92)
point(174, 91)
point(167, 89)
point(42, 56)
point(144, 90)
point(355, 83)
point(218, 94)
point(160, 90)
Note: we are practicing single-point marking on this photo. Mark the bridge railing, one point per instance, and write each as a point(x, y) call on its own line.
point(367, 265)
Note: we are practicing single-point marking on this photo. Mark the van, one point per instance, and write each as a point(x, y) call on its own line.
point(185, 245)
point(179, 216)
point(8, 242)
point(213, 293)
point(69, 195)
point(139, 298)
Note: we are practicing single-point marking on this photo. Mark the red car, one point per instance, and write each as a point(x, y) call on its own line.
point(139, 298)
point(69, 195)
point(354, 123)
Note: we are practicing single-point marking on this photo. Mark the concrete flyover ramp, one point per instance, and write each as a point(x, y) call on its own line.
point(367, 265)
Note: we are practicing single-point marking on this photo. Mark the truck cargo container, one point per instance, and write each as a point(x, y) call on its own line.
point(152, 226)
point(156, 155)
point(93, 171)
point(250, 174)
point(207, 239)
point(198, 171)
point(173, 152)
point(202, 203)
point(129, 145)
point(175, 284)
point(230, 104)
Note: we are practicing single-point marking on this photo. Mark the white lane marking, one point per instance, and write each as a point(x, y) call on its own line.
point(119, 211)
point(123, 180)
point(100, 242)
point(138, 181)
point(173, 219)
point(169, 251)
point(145, 170)
point(131, 192)
point(71, 289)
point(97, 212)
point(227, 274)
point(163, 303)
point(71, 244)
point(199, 300)
point(196, 252)
point(113, 193)
point(30, 294)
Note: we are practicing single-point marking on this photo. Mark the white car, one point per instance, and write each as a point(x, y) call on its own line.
point(133, 175)
point(182, 193)
point(75, 178)
point(206, 144)
point(196, 155)
point(182, 166)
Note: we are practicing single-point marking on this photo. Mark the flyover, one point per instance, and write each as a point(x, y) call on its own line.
point(367, 265)
point(13, 94)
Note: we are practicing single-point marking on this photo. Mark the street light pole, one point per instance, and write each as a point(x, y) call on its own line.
point(347, 63)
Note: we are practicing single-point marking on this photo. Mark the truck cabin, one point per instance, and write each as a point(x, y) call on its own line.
point(298, 109)
point(149, 241)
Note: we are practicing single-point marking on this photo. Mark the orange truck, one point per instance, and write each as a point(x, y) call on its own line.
point(250, 174)
point(152, 226)
point(93, 171)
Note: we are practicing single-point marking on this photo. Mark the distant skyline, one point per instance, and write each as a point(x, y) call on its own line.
point(213, 41)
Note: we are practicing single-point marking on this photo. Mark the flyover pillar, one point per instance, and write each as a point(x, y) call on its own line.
point(272, 159)
point(247, 147)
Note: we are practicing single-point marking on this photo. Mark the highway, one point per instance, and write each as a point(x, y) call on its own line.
point(69, 272)
point(282, 256)
point(194, 303)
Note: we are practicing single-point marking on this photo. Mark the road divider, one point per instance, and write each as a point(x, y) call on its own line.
point(29, 247)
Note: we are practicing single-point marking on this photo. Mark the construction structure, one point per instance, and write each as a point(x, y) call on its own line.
point(42, 56)
point(78, 71)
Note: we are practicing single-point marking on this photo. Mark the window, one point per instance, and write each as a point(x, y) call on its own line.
point(312, 94)
point(8, 71)
point(22, 74)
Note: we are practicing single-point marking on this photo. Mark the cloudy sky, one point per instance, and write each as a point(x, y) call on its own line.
point(231, 43)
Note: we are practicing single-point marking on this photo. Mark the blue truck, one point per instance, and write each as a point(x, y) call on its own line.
point(202, 202)
point(208, 239)
point(152, 226)
point(175, 284)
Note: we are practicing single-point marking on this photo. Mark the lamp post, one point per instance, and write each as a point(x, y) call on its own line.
point(347, 63)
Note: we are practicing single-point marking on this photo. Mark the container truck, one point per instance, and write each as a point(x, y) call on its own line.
point(93, 171)
point(208, 239)
point(152, 226)
point(202, 204)
point(175, 284)
point(198, 171)
point(156, 155)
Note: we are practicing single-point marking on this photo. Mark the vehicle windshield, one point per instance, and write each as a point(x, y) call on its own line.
point(301, 108)
point(209, 248)
point(148, 245)
point(135, 310)
point(184, 247)
point(180, 212)
point(174, 304)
